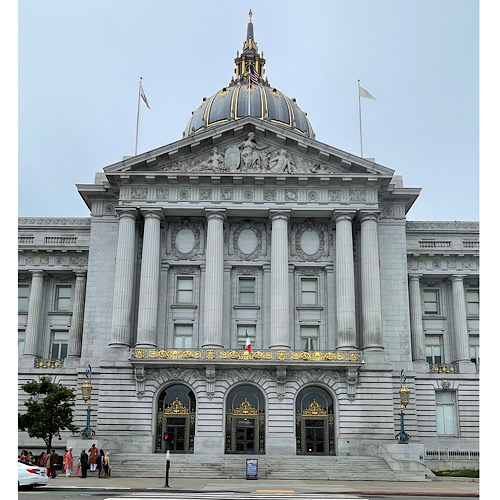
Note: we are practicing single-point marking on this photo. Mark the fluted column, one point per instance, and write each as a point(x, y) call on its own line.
point(279, 281)
point(416, 324)
point(150, 280)
point(460, 319)
point(31, 343)
point(124, 280)
point(76, 328)
point(214, 279)
point(344, 260)
point(371, 306)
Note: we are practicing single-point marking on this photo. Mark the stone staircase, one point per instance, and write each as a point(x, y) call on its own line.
point(269, 467)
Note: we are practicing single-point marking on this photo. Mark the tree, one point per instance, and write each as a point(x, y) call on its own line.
point(49, 410)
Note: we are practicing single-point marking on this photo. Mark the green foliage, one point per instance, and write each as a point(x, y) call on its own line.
point(457, 473)
point(49, 410)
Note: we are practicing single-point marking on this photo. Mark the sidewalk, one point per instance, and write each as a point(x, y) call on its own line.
point(448, 487)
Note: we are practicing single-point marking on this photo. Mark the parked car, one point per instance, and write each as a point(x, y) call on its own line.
point(31, 475)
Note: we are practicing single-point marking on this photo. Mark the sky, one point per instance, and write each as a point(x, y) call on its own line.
point(79, 65)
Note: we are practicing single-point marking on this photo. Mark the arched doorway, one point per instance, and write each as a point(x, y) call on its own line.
point(176, 417)
point(315, 424)
point(245, 420)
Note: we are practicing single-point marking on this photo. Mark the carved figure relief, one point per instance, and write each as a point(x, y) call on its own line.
point(250, 156)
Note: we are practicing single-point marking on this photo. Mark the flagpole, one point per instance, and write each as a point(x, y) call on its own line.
point(138, 113)
point(249, 88)
point(360, 130)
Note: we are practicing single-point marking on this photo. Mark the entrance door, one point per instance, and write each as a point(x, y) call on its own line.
point(176, 430)
point(314, 430)
point(245, 434)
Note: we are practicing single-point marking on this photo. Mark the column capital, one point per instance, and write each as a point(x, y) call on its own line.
point(414, 276)
point(126, 212)
point(457, 277)
point(279, 214)
point(219, 213)
point(37, 273)
point(80, 273)
point(152, 213)
point(368, 215)
point(343, 214)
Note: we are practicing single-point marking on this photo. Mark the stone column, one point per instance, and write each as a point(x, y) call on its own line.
point(344, 272)
point(214, 279)
point(461, 337)
point(371, 306)
point(417, 327)
point(31, 343)
point(76, 328)
point(150, 280)
point(331, 342)
point(280, 300)
point(124, 280)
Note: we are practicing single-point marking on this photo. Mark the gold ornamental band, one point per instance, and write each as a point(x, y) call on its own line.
point(243, 354)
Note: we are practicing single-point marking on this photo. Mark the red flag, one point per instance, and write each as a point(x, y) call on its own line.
point(143, 95)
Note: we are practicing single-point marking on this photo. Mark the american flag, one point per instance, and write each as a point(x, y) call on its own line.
point(254, 76)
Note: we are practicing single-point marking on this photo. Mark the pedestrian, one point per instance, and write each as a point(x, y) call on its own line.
point(68, 464)
point(93, 452)
point(84, 460)
point(100, 463)
point(106, 466)
point(78, 472)
point(53, 462)
point(23, 457)
point(63, 470)
point(31, 459)
point(47, 464)
point(42, 460)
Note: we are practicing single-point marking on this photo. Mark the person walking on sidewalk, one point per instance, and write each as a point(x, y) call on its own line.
point(68, 461)
point(84, 460)
point(100, 462)
point(78, 472)
point(106, 466)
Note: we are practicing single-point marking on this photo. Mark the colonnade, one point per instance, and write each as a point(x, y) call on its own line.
point(278, 280)
point(459, 315)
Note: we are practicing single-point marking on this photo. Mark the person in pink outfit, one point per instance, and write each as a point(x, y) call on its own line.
point(78, 472)
point(68, 461)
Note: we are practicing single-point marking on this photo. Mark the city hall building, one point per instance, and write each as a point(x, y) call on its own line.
point(251, 291)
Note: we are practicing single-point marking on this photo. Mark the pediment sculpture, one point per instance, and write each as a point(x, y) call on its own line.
point(252, 157)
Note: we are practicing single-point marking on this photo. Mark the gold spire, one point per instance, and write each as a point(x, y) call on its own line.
point(250, 16)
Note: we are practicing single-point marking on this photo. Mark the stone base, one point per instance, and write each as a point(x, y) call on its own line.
point(404, 457)
point(281, 445)
point(209, 445)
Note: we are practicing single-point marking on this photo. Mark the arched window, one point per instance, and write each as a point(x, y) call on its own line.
point(175, 420)
point(245, 420)
point(315, 429)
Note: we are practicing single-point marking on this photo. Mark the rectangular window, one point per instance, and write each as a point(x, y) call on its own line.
point(63, 298)
point(23, 293)
point(184, 291)
point(309, 338)
point(246, 291)
point(472, 297)
point(434, 349)
point(309, 291)
point(183, 336)
point(431, 302)
point(445, 413)
point(474, 349)
point(20, 342)
point(242, 331)
point(59, 344)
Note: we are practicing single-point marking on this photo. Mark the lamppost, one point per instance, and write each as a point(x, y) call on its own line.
point(404, 395)
point(87, 433)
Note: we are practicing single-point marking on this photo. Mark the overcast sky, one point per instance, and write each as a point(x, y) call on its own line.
point(80, 62)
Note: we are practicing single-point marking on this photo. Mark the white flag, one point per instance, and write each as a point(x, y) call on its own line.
point(365, 93)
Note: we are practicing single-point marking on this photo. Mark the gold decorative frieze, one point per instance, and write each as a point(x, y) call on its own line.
point(176, 408)
point(443, 368)
point(245, 408)
point(244, 355)
point(48, 363)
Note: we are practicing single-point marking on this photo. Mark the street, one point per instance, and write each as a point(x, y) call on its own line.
point(40, 494)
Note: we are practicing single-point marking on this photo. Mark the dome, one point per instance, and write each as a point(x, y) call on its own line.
point(249, 94)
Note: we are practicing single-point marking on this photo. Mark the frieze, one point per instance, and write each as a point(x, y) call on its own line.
point(29, 221)
point(244, 355)
point(441, 226)
point(250, 156)
point(38, 259)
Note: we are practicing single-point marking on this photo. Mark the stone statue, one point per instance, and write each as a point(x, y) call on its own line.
point(250, 158)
